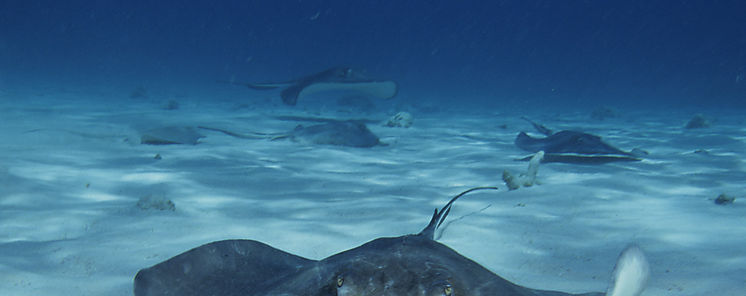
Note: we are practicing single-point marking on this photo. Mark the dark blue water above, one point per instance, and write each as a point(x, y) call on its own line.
point(563, 53)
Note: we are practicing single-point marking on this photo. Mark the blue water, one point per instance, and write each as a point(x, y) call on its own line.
point(72, 171)
point(646, 54)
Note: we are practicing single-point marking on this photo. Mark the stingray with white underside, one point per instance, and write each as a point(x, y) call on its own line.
point(340, 80)
point(408, 265)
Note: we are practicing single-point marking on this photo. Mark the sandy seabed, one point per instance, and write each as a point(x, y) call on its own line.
point(71, 175)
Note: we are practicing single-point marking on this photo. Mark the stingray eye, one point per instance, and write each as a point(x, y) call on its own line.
point(340, 281)
point(448, 290)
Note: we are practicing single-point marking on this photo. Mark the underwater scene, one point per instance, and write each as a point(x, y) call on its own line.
point(305, 147)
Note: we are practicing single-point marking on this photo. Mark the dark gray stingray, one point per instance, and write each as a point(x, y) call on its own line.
point(572, 147)
point(334, 132)
point(171, 135)
point(340, 133)
point(412, 264)
point(340, 79)
point(322, 119)
point(156, 136)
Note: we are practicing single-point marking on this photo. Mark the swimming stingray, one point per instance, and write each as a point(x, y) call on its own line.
point(408, 265)
point(338, 79)
point(572, 147)
point(155, 136)
point(350, 133)
point(171, 135)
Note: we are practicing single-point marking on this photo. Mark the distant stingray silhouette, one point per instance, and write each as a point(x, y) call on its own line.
point(342, 79)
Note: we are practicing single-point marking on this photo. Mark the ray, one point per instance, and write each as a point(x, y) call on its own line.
point(413, 264)
point(343, 81)
point(572, 147)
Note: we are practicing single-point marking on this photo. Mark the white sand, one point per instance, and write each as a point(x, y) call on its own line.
point(69, 224)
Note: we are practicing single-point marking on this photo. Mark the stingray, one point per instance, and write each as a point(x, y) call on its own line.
point(171, 135)
point(350, 133)
point(572, 147)
point(342, 80)
point(155, 136)
point(412, 264)
point(340, 133)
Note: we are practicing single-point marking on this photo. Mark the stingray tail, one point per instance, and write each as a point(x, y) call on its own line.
point(538, 127)
point(630, 274)
point(440, 216)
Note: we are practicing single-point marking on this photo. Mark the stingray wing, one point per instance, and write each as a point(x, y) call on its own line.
point(530, 144)
point(171, 135)
point(229, 267)
point(406, 265)
point(344, 80)
point(340, 133)
point(260, 85)
point(267, 86)
point(372, 89)
point(572, 147)
point(578, 158)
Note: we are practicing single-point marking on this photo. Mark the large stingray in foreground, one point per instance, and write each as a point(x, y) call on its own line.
point(412, 264)
point(337, 79)
point(572, 147)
